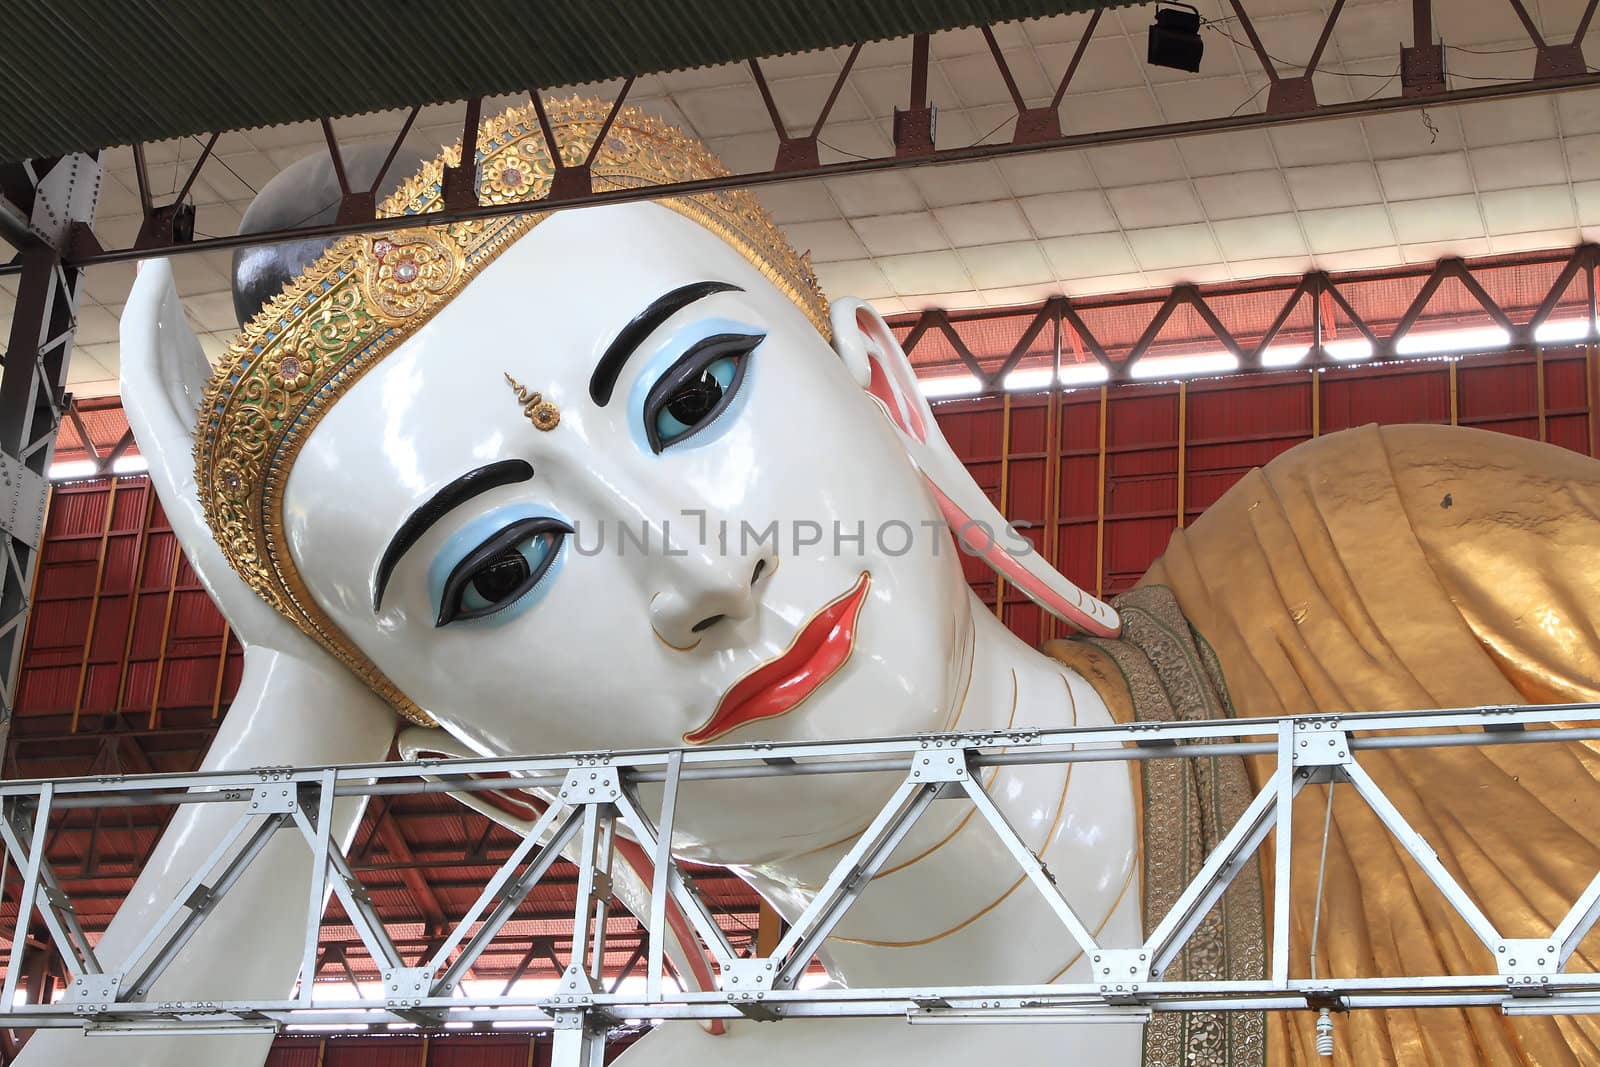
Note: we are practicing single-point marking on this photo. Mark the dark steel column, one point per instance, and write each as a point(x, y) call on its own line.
point(46, 206)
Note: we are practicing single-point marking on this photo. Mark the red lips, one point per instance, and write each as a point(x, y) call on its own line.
point(777, 686)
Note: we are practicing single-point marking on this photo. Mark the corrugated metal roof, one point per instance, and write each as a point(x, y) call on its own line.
point(84, 74)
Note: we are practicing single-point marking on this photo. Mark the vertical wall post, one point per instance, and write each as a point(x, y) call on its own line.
point(1455, 395)
point(1183, 439)
point(1100, 504)
point(1052, 472)
point(1005, 486)
point(1538, 390)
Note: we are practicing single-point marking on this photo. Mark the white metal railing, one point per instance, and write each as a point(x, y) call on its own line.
point(594, 796)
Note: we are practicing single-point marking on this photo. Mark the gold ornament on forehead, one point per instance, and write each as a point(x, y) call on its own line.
point(543, 414)
point(368, 293)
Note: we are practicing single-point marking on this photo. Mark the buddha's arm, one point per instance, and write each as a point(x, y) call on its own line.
point(288, 712)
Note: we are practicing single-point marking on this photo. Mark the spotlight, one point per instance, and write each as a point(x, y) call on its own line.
point(183, 223)
point(1175, 38)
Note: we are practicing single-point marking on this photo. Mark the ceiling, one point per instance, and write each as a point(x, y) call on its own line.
point(1340, 194)
point(80, 75)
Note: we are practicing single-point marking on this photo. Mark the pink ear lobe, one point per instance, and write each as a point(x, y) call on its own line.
point(888, 386)
point(976, 538)
point(872, 353)
point(909, 421)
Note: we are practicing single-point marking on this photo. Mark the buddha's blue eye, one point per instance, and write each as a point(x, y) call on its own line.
point(501, 570)
point(697, 388)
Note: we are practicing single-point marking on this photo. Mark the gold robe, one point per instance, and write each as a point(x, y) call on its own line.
point(1418, 567)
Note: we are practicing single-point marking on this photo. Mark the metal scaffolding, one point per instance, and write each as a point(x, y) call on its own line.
point(593, 801)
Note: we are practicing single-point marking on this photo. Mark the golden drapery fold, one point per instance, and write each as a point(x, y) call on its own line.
point(1418, 567)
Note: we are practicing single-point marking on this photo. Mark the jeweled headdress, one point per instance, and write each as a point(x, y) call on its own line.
point(368, 293)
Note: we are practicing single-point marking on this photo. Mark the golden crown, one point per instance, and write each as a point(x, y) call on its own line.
point(368, 293)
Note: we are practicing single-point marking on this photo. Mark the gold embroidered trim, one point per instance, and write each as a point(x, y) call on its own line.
point(1189, 806)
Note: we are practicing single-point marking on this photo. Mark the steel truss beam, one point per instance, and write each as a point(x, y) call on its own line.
point(46, 206)
point(595, 798)
point(1573, 290)
point(1038, 126)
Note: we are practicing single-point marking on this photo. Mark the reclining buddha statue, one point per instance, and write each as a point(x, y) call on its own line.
point(398, 483)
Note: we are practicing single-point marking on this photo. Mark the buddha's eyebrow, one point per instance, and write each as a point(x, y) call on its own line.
point(643, 325)
point(455, 493)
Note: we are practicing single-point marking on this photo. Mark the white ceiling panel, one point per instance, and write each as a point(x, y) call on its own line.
point(826, 241)
point(1490, 122)
point(1233, 196)
point(874, 194)
point(1046, 172)
point(1118, 109)
point(1416, 177)
point(1442, 218)
point(1512, 211)
point(1333, 185)
point(1063, 214)
point(1261, 237)
point(1579, 112)
point(1136, 164)
point(1005, 265)
point(1583, 156)
point(1505, 244)
point(1109, 63)
point(958, 183)
point(1090, 256)
point(891, 235)
point(798, 201)
point(1227, 153)
point(976, 79)
point(1342, 229)
point(1174, 246)
point(1191, 101)
point(1308, 143)
point(1586, 197)
point(1508, 166)
point(994, 221)
point(926, 272)
point(855, 277)
point(1160, 204)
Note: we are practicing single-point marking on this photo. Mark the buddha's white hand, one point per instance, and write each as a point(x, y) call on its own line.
point(164, 374)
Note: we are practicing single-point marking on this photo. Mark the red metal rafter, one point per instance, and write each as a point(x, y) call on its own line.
point(796, 153)
point(1329, 297)
point(422, 894)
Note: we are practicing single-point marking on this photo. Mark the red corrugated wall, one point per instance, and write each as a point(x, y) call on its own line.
point(1101, 474)
point(121, 629)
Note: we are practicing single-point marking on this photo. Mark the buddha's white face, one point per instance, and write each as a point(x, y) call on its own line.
point(615, 582)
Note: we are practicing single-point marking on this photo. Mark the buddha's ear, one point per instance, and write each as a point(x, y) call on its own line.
point(164, 373)
point(874, 357)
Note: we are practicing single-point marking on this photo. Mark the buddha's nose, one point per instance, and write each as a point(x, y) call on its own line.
point(706, 594)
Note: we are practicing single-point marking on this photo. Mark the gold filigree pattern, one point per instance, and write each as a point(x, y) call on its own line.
point(367, 294)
